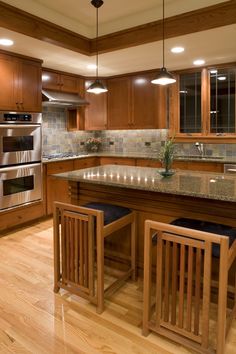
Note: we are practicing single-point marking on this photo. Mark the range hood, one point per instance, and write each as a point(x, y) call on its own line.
point(56, 98)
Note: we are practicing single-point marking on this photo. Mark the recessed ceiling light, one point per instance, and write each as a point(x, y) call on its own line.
point(199, 62)
point(45, 77)
point(140, 81)
point(221, 78)
point(213, 71)
point(91, 66)
point(6, 42)
point(177, 50)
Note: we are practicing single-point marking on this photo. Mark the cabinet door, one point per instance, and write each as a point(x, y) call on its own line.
point(51, 80)
point(57, 189)
point(71, 84)
point(119, 103)
point(31, 86)
point(96, 111)
point(8, 82)
point(85, 163)
point(148, 163)
point(148, 103)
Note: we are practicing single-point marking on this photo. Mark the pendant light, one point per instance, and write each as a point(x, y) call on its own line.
point(164, 77)
point(97, 86)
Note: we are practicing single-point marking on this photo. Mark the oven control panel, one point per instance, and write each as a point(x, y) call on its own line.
point(20, 117)
point(15, 117)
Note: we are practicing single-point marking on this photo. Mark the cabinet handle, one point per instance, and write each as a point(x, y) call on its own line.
point(69, 193)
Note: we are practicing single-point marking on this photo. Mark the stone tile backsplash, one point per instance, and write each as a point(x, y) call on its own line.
point(57, 139)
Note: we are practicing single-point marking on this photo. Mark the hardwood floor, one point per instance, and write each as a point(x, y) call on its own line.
point(35, 320)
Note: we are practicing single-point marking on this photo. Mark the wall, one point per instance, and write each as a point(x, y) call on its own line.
point(57, 139)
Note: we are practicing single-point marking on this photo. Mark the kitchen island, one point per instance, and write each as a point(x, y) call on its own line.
point(200, 195)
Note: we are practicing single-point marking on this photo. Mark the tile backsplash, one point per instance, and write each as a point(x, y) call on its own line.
point(57, 139)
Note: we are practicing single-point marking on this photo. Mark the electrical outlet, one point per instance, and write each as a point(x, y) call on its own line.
point(111, 142)
point(147, 143)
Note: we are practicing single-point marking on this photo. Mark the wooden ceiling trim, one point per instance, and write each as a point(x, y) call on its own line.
point(23, 22)
point(14, 19)
point(207, 18)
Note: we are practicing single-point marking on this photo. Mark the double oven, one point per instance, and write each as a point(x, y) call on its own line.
point(20, 159)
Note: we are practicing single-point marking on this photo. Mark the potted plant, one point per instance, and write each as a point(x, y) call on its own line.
point(166, 157)
point(93, 144)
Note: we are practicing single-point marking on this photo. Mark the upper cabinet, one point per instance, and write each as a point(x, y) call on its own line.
point(20, 83)
point(96, 111)
point(63, 82)
point(202, 104)
point(119, 103)
point(149, 104)
point(135, 103)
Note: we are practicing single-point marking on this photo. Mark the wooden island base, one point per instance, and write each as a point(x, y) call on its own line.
point(153, 206)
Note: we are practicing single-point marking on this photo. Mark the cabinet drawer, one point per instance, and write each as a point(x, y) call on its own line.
point(59, 167)
point(117, 161)
point(85, 163)
point(148, 163)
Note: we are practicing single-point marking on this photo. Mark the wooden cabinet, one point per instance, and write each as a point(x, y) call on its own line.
point(117, 161)
point(53, 80)
point(57, 189)
point(119, 103)
point(20, 82)
point(148, 163)
point(96, 111)
point(135, 103)
point(85, 163)
point(199, 166)
point(148, 103)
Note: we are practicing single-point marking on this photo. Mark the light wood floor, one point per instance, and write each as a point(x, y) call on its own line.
point(35, 320)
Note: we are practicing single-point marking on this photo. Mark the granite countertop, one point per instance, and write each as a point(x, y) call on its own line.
point(208, 185)
point(150, 156)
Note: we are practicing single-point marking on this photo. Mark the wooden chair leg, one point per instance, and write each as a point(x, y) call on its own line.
point(133, 248)
point(147, 281)
point(222, 302)
point(56, 252)
point(100, 268)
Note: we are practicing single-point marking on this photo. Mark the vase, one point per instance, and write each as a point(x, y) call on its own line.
point(94, 148)
point(167, 172)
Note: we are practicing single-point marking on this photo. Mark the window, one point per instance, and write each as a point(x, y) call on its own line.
point(190, 103)
point(222, 101)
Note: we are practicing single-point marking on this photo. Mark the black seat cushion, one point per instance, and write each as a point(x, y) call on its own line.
point(208, 226)
point(111, 212)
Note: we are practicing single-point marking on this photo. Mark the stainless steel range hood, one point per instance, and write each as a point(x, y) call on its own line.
point(56, 98)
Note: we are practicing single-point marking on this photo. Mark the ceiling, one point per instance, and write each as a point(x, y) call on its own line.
point(215, 46)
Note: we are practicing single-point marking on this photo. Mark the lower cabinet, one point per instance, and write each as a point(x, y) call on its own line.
point(58, 189)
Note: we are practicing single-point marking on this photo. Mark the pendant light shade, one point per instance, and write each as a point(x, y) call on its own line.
point(164, 77)
point(97, 86)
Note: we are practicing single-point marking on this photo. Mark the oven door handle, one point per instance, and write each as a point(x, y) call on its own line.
point(11, 126)
point(12, 168)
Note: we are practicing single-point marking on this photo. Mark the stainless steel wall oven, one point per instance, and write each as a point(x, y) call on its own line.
point(20, 158)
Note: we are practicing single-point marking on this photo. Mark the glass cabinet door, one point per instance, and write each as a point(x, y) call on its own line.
point(190, 103)
point(222, 101)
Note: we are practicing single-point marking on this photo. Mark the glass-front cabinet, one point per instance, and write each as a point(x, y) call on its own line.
point(203, 103)
point(222, 101)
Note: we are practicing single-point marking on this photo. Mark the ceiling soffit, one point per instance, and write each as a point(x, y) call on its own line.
point(210, 17)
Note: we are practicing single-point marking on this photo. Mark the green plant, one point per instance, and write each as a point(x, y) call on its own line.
point(167, 154)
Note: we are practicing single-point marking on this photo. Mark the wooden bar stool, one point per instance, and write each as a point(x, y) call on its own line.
point(178, 304)
point(79, 235)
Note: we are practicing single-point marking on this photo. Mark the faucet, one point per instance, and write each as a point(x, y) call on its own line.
point(200, 148)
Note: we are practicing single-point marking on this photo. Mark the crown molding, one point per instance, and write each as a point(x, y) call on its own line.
point(210, 17)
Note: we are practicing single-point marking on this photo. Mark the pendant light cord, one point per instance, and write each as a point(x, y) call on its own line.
point(97, 43)
point(163, 32)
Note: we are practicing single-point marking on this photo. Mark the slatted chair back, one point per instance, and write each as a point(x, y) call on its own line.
point(181, 298)
point(74, 251)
